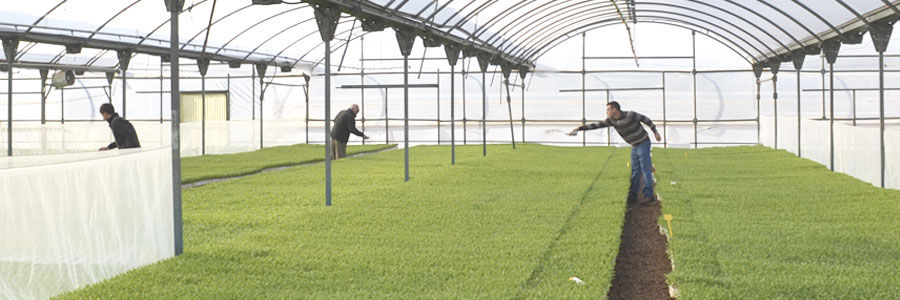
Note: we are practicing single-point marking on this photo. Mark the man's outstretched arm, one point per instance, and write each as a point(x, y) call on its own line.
point(591, 126)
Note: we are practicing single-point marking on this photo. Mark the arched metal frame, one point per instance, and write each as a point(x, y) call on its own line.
point(525, 42)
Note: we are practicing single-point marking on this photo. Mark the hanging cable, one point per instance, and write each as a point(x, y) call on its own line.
point(628, 29)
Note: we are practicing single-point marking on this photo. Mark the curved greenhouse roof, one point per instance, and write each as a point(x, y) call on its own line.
point(517, 32)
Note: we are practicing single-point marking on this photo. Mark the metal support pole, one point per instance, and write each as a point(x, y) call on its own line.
point(523, 110)
point(262, 94)
point(452, 115)
point(9, 94)
point(823, 87)
point(438, 106)
point(328, 142)
point(386, 117)
point(406, 117)
point(124, 95)
point(44, 94)
point(465, 129)
point(161, 75)
point(831, 120)
point(758, 109)
point(203, 115)
point(694, 81)
point(483, 112)
point(608, 131)
point(228, 97)
point(854, 107)
point(775, 104)
point(175, 9)
point(880, 109)
point(512, 133)
point(362, 80)
point(583, 94)
point(306, 95)
point(799, 115)
point(253, 94)
point(62, 106)
point(665, 136)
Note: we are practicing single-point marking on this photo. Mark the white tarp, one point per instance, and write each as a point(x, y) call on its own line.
point(70, 220)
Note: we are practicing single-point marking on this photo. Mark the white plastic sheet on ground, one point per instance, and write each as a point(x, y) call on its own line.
point(70, 220)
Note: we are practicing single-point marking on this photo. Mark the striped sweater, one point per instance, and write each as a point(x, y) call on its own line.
point(628, 126)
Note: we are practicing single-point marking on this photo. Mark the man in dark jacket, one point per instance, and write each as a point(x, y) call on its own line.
point(628, 125)
point(344, 125)
point(121, 129)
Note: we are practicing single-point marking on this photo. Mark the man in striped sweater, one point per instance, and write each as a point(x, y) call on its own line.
point(628, 125)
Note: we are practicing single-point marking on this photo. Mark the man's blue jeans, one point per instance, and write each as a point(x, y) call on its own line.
point(641, 167)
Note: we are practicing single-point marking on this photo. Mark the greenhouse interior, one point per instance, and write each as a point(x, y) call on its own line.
point(385, 149)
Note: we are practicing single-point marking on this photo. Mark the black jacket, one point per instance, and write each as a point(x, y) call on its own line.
point(344, 125)
point(123, 132)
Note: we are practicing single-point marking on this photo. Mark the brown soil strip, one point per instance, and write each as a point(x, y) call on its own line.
point(214, 180)
point(642, 264)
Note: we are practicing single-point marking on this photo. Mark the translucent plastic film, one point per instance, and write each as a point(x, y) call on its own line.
point(72, 220)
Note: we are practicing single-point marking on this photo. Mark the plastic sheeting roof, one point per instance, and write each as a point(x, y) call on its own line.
point(287, 34)
point(760, 29)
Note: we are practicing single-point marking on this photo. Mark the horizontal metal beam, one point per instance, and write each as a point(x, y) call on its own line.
point(851, 89)
point(388, 86)
point(68, 67)
point(610, 89)
point(162, 50)
point(403, 21)
point(639, 57)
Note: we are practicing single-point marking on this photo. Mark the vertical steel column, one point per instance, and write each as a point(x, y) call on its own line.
point(583, 94)
point(405, 40)
point(483, 62)
point(438, 106)
point(203, 114)
point(665, 136)
point(881, 34)
point(854, 107)
point(174, 8)
point(880, 109)
point(758, 109)
point(228, 96)
point(161, 75)
point(306, 96)
point(798, 58)
point(823, 86)
point(10, 47)
point(608, 130)
point(124, 95)
point(831, 119)
point(799, 115)
point(465, 129)
point(44, 94)
point(124, 60)
point(327, 18)
point(262, 94)
point(386, 118)
point(484, 112)
point(62, 106)
point(406, 117)
point(523, 109)
point(327, 119)
point(252, 93)
point(453, 114)
point(512, 132)
point(694, 81)
point(775, 103)
point(203, 66)
point(362, 80)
